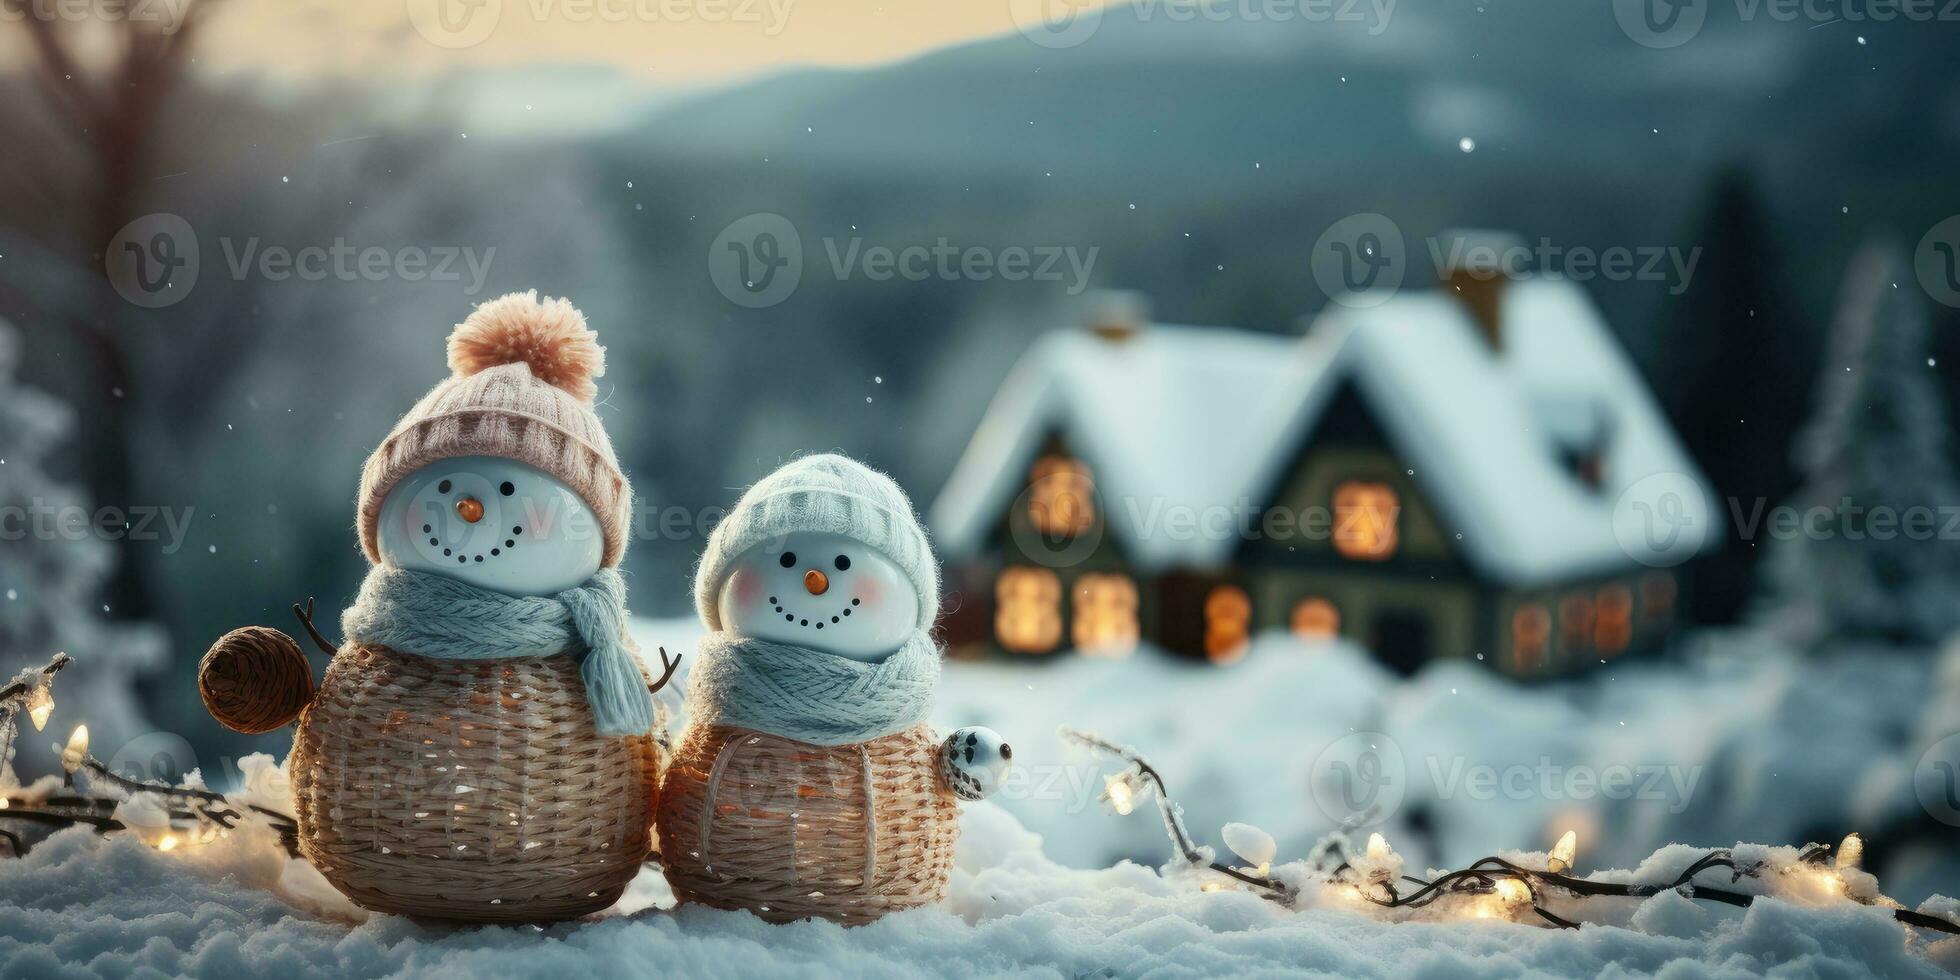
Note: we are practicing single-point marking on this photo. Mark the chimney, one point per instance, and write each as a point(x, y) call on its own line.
point(1115, 315)
point(1477, 265)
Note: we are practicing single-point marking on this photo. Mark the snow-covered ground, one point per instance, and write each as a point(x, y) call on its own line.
point(1737, 740)
point(1041, 887)
point(79, 905)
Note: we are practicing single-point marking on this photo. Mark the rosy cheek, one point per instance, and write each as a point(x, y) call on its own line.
point(748, 588)
point(871, 590)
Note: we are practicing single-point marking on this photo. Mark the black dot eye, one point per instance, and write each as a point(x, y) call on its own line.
point(843, 563)
point(442, 487)
point(507, 489)
point(788, 560)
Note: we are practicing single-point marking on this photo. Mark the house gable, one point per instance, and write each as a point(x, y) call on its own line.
point(1348, 446)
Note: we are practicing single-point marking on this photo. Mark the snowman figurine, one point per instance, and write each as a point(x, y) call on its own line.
point(807, 782)
point(481, 747)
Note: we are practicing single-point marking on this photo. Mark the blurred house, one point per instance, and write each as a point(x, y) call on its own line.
point(1430, 473)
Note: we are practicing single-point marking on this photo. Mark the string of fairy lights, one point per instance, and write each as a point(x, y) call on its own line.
point(1491, 888)
point(189, 815)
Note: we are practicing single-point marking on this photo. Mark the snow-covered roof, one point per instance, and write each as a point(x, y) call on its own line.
point(1207, 418)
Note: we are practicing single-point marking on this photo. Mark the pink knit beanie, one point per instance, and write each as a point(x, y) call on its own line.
point(522, 389)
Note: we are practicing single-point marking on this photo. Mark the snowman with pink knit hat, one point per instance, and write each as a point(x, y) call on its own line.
point(482, 746)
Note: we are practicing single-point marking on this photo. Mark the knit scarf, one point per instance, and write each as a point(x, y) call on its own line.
point(431, 615)
point(808, 695)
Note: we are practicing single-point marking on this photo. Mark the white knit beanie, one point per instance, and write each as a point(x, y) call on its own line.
point(828, 494)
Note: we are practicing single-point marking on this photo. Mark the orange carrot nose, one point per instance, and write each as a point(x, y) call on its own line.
point(817, 582)
point(470, 509)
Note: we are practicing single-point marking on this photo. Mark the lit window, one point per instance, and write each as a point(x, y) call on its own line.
point(1105, 614)
point(1315, 618)
point(1531, 633)
point(1028, 610)
point(1575, 621)
point(1657, 593)
point(1061, 497)
point(1228, 623)
point(1365, 515)
point(1613, 619)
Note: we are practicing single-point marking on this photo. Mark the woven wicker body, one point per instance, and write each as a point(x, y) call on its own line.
point(474, 790)
point(790, 830)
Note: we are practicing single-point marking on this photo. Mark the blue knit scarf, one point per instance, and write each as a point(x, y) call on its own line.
point(431, 615)
point(807, 695)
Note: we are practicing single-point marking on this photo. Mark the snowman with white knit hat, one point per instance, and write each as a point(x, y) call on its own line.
point(807, 782)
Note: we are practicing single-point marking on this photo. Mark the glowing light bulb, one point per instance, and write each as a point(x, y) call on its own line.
point(1512, 890)
point(1120, 794)
point(1377, 848)
point(77, 750)
point(169, 842)
point(40, 705)
point(1851, 851)
point(1564, 852)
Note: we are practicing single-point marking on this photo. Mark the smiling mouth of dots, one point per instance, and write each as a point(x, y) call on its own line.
point(790, 617)
point(510, 540)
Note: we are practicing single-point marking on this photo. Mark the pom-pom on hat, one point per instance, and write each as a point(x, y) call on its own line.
point(521, 388)
point(830, 494)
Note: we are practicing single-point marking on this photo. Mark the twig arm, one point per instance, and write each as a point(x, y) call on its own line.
point(667, 674)
point(305, 616)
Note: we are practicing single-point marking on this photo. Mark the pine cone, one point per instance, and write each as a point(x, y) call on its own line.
point(254, 680)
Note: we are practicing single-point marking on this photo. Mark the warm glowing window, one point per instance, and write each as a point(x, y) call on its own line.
point(1105, 614)
point(1365, 515)
point(1061, 496)
point(1315, 618)
point(1657, 592)
point(1028, 610)
point(1613, 619)
point(1575, 622)
point(1531, 634)
point(1228, 623)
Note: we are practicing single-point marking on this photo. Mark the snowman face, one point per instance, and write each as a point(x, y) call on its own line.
point(493, 523)
point(821, 591)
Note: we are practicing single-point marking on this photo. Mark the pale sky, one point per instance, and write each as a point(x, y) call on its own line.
point(684, 42)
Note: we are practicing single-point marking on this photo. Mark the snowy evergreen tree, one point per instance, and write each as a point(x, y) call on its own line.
point(51, 575)
point(1868, 560)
